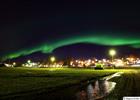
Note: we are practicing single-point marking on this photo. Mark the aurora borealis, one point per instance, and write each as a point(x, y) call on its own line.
point(100, 38)
point(33, 26)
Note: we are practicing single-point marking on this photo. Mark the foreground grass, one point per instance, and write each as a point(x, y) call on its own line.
point(15, 81)
point(30, 81)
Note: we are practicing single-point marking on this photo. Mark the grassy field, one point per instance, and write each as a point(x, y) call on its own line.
point(26, 81)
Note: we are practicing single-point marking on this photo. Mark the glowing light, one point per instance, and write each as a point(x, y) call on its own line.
point(96, 60)
point(76, 61)
point(71, 63)
point(52, 59)
point(89, 60)
point(119, 63)
point(93, 61)
point(99, 61)
point(104, 60)
point(14, 63)
point(112, 52)
point(8, 65)
point(29, 61)
point(131, 59)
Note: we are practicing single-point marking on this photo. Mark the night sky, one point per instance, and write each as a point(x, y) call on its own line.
point(62, 28)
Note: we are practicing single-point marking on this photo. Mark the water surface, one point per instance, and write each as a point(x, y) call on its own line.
point(93, 90)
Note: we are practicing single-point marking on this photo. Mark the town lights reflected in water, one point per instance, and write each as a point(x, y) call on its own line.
point(96, 90)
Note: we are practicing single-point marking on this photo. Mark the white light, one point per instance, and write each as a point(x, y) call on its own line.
point(89, 60)
point(104, 60)
point(14, 63)
point(29, 61)
point(112, 52)
point(52, 59)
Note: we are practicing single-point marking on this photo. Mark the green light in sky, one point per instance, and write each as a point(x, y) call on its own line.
point(92, 37)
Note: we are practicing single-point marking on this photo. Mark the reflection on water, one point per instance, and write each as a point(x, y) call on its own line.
point(96, 90)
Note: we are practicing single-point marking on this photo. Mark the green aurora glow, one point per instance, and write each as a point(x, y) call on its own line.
point(101, 39)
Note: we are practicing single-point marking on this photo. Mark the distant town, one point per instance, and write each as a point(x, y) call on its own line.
point(78, 63)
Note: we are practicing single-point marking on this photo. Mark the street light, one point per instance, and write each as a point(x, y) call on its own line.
point(112, 53)
point(52, 59)
point(28, 61)
point(14, 63)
